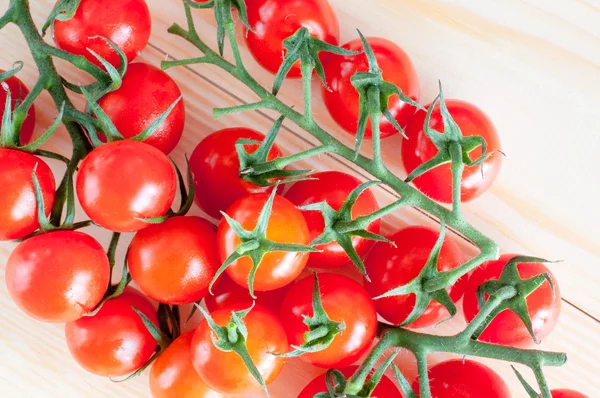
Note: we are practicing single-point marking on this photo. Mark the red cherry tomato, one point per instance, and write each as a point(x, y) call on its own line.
point(227, 293)
point(274, 21)
point(173, 376)
point(18, 92)
point(463, 378)
point(345, 301)
point(18, 217)
point(146, 93)
point(216, 168)
point(115, 341)
point(126, 23)
point(507, 328)
point(342, 101)
point(225, 372)
point(437, 183)
point(333, 187)
point(120, 182)
point(286, 225)
point(566, 393)
point(58, 276)
point(175, 261)
point(385, 389)
point(390, 267)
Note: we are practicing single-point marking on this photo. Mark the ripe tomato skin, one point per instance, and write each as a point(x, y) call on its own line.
point(437, 183)
point(122, 181)
point(286, 225)
point(274, 21)
point(18, 92)
point(216, 168)
point(344, 300)
point(342, 101)
point(175, 261)
point(333, 187)
point(390, 267)
point(146, 93)
point(566, 393)
point(173, 376)
point(227, 293)
point(115, 341)
point(385, 389)
point(18, 217)
point(458, 378)
point(225, 372)
point(79, 269)
point(507, 328)
point(126, 23)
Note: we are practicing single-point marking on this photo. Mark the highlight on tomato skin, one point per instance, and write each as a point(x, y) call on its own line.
point(342, 101)
point(437, 183)
point(333, 187)
point(273, 21)
point(18, 92)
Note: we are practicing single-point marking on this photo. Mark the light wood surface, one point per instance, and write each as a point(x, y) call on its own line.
point(532, 65)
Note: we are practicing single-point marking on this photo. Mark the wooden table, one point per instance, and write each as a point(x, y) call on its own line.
point(532, 65)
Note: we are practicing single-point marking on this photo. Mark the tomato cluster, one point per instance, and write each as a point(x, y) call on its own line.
point(250, 265)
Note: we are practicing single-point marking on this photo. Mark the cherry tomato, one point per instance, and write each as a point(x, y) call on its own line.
point(18, 217)
point(122, 181)
point(114, 342)
point(463, 378)
point(345, 301)
point(437, 183)
point(390, 267)
point(274, 21)
point(173, 376)
point(126, 23)
point(146, 93)
point(58, 276)
point(286, 225)
point(566, 393)
point(385, 389)
point(18, 92)
point(225, 372)
point(342, 101)
point(507, 328)
point(216, 169)
point(333, 187)
point(227, 293)
point(175, 261)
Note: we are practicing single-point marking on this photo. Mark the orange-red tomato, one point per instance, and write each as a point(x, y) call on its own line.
point(18, 92)
point(175, 261)
point(126, 23)
point(58, 276)
point(566, 393)
point(173, 376)
point(286, 225)
point(216, 170)
point(345, 301)
point(114, 342)
point(225, 372)
point(507, 328)
point(342, 101)
point(333, 187)
point(274, 21)
point(145, 94)
point(390, 267)
point(120, 182)
point(437, 183)
point(18, 217)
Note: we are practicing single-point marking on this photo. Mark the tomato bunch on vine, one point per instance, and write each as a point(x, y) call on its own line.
point(261, 268)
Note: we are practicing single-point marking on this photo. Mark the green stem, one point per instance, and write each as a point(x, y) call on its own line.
point(280, 163)
point(306, 70)
point(357, 381)
point(457, 173)
point(363, 222)
point(374, 100)
point(424, 389)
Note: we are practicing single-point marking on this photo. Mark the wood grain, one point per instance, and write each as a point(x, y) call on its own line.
point(533, 66)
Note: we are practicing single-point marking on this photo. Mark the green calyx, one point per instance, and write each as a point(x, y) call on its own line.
point(232, 338)
point(422, 297)
point(374, 94)
point(63, 11)
point(255, 245)
point(321, 329)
